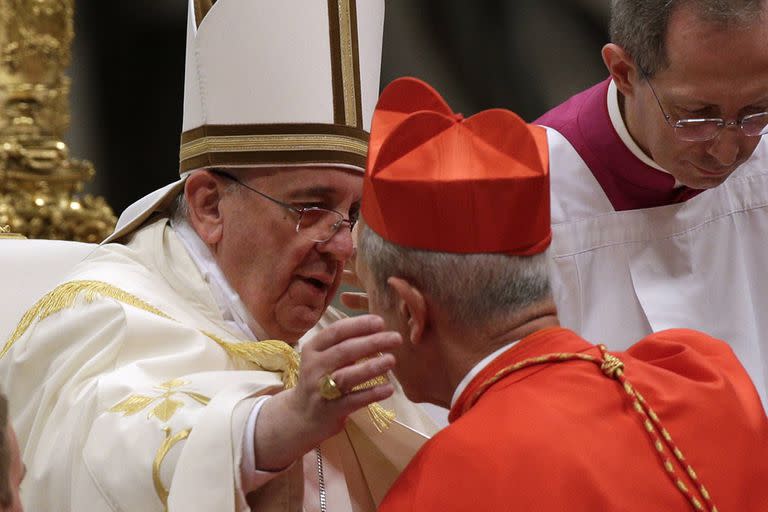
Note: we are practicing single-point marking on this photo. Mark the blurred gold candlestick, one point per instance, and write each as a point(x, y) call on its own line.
point(40, 185)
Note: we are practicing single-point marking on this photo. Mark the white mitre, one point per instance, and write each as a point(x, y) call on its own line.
point(274, 82)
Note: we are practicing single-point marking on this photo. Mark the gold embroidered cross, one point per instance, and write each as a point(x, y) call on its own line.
point(167, 407)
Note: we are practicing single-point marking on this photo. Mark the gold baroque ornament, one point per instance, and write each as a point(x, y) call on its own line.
point(5, 232)
point(40, 185)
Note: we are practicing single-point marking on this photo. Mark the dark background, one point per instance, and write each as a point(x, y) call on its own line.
point(128, 71)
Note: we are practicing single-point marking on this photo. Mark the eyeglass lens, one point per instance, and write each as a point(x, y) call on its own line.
point(318, 224)
point(706, 129)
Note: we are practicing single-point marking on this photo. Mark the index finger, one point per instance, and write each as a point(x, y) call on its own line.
point(344, 329)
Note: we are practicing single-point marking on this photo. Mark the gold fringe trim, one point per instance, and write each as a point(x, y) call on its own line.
point(381, 417)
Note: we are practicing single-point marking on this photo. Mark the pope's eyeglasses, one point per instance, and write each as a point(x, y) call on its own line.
point(705, 129)
point(315, 224)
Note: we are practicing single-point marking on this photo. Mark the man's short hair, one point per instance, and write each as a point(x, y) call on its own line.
point(473, 288)
point(6, 496)
point(640, 26)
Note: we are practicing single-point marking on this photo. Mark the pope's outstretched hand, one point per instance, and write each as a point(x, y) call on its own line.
point(349, 352)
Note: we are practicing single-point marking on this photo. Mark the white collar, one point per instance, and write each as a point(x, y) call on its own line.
point(477, 369)
point(231, 306)
point(621, 128)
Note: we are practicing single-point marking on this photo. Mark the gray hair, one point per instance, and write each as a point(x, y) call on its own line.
point(179, 210)
point(640, 26)
point(473, 288)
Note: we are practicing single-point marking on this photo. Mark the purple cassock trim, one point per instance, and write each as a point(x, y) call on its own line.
point(629, 183)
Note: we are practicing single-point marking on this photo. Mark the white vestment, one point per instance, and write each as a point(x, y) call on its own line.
point(621, 275)
point(128, 393)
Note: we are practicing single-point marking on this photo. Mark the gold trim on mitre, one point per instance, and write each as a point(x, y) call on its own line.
point(345, 63)
point(272, 144)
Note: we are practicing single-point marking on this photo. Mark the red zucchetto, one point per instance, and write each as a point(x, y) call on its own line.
point(439, 182)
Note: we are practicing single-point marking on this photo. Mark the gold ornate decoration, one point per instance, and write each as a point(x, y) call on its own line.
point(40, 185)
point(5, 232)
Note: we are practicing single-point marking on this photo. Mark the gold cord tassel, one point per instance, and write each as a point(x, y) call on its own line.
point(381, 417)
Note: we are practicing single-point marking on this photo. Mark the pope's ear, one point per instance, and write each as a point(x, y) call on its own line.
point(203, 191)
point(410, 307)
point(622, 68)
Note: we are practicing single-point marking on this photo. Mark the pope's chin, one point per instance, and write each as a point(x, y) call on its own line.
point(301, 308)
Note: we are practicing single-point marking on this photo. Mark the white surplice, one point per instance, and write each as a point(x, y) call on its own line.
point(123, 399)
point(621, 275)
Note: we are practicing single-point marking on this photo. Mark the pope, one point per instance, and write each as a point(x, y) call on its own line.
point(163, 373)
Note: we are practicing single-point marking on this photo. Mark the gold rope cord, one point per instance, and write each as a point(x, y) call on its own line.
point(613, 367)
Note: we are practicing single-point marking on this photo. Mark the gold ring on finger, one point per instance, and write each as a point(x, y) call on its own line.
point(328, 388)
